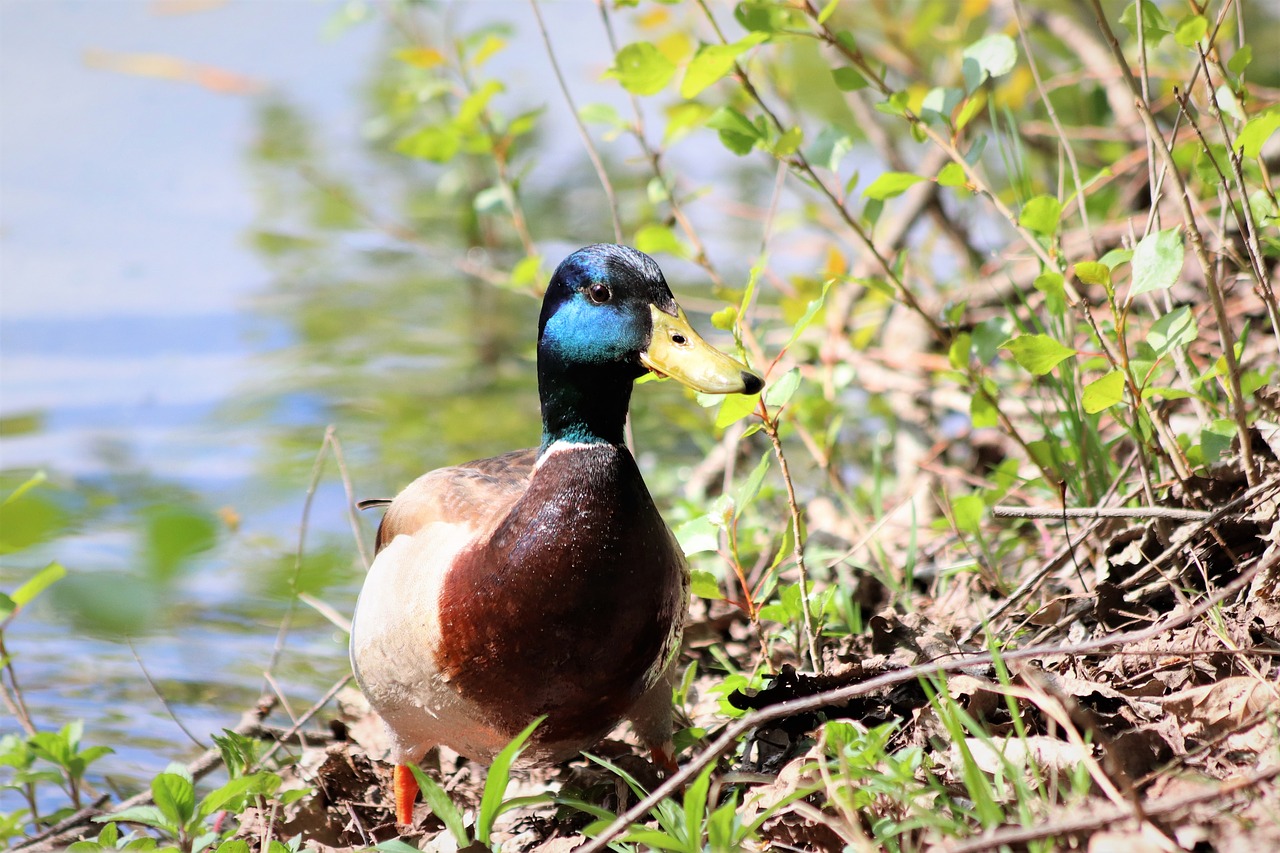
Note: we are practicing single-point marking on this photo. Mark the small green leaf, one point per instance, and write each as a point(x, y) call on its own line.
point(810, 311)
point(1054, 288)
point(1155, 26)
point(891, 184)
point(1103, 393)
point(145, 815)
point(966, 512)
point(780, 390)
point(698, 535)
point(1190, 30)
point(748, 491)
point(848, 79)
point(495, 786)
point(437, 144)
point(1157, 261)
point(705, 585)
point(1038, 353)
point(1041, 214)
point(1092, 272)
point(38, 583)
point(1257, 131)
point(659, 239)
point(952, 175)
point(712, 62)
point(737, 133)
point(642, 69)
point(175, 796)
point(1240, 60)
point(734, 408)
point(1177, 328)
point(995, 55)
point(601, 114)
point(788, 143)
point(441, 806)
point(982, 413)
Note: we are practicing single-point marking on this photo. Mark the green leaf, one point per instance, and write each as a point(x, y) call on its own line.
point(1190, 30)
point(712, 62)
point(495, 786)
point(441, 806)
point(952, 175)
point(1038, 353)
point(734, 408)
point(1103, 393)
point(748, 491)
point(848, 79)
point(780, 390)
point(829, 148)
point(682, 117)
point(891, 184)
point(38, 583)
point(1155, 26)
point(966, 512)
point(601, 114)
point(787, 143)
point(437, 144)
point(145, 815)
point(1157, 261)
point(1177, 328)
point(995, 55)
point(175, 796)
point(982, 413)
point(1240, 60)
point(1054, 288)
point(810, 311)
point(705, 585)
point(659, 239)
point(1226, 99)
point(1257, 131)
point(395, 845)
point(1041, 214)
point(642, 69)
point(1092, 272)
point(737, 133)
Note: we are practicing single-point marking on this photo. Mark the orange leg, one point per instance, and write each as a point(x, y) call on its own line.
point(664, 757)
point(405, 789)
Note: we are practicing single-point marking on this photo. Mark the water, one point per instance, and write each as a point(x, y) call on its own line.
point(171, 351)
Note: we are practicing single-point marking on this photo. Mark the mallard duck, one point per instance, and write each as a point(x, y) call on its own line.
point(542, 581)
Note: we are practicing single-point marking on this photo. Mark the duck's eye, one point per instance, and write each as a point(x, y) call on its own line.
point(599, 293)
point(679, 340)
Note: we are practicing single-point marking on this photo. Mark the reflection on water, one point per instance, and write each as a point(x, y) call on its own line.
point(194, 290)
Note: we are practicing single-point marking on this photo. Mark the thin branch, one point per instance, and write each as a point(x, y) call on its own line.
point(1182, 194)
point(582, 129)
point(1001, 511)
point(155, 688)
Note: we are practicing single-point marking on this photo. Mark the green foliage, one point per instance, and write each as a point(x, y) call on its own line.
point(493, 802)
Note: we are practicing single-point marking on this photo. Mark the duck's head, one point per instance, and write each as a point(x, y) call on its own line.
point(608, 318)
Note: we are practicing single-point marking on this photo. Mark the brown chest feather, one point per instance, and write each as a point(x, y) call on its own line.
point(568, 607)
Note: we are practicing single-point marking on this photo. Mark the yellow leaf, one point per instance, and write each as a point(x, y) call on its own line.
point(420, 57)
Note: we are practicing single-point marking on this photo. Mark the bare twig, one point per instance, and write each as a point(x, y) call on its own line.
point(582, 129)
point(155, 688)
point(1005, 511)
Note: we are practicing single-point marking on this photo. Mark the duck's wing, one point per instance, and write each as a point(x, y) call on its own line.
point(475, 494)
